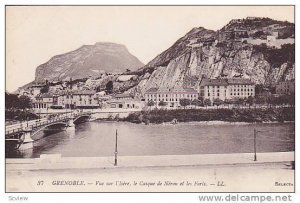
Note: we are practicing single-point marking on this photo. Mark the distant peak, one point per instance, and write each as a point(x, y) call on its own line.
point(108, 44)
point(196, 29)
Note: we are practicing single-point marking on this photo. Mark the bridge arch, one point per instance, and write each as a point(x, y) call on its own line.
point(62, 124)
point(81, 118)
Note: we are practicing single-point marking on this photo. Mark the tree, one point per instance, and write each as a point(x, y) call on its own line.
point(228, 102)
point(218, 102)
point(241, 101)
point(162, 103)
point(260, 100)
point(184, 102)
point(24, 102)
point(197, 102)
point(45, 89)
point(11, 101)
point(250, 101)
point(207, 102)
point(259, 89)
point(271, 100)
point(291, 100)
point(109, 87)
point(150, 104)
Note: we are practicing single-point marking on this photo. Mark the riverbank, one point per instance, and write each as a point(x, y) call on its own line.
point(55, 161)
point(158, 116)
point(164, 173)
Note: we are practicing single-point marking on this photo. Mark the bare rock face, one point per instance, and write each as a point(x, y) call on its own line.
point(204, 53)
point(88, 60)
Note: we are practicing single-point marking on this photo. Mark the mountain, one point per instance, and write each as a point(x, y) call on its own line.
point(260, 49)
point(88, 60)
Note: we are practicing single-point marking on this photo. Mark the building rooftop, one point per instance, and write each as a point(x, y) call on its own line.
point(80, 92)
point(123, 96)
point(225, 82)
point(45, 95)
point(152, 90)
point(177, 89)
point(215, 82)
point(239, 81)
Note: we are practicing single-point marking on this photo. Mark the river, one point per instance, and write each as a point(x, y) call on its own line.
point(98, 139)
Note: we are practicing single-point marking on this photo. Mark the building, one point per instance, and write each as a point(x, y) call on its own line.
point(124, 104)
point(171, 96)
point(44, 101)
point(226, 89)
point(36, 89)
point(78, 99)
point(286, 87)
point(124, 96)
point(236, 33)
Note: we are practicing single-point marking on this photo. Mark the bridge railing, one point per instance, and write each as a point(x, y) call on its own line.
point(32, 124)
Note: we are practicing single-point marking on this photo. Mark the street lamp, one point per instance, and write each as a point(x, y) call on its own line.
point(116, 149)
point(254, 143)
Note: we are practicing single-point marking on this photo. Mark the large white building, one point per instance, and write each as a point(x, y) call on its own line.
point(171, 96)
point(226, 89)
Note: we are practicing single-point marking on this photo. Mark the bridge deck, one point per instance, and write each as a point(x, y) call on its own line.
point(35, 124)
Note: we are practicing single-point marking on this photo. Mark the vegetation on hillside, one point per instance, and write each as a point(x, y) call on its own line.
point(274, 56)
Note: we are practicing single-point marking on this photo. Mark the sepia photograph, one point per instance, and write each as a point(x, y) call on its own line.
point(149, 98)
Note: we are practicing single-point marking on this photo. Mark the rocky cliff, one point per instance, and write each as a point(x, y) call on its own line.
point(239, 49)
point(88, 60)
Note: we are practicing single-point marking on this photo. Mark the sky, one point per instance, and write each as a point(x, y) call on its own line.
point(34, 34)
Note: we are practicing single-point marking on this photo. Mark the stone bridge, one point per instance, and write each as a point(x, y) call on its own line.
point(22, 133)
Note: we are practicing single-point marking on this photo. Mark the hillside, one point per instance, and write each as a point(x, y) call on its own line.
point(239, 49)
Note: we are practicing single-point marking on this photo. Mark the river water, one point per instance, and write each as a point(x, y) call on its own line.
point(98, 139)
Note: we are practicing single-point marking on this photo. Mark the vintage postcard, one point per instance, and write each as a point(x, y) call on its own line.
point(150, 99)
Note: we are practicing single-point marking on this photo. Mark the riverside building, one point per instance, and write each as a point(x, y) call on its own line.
point(226, 89)
point(171, 96)
point(67, 99)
